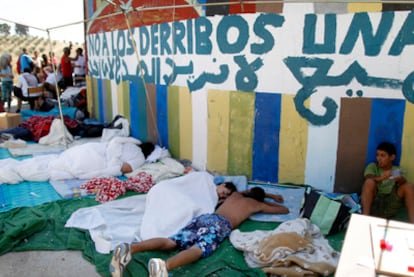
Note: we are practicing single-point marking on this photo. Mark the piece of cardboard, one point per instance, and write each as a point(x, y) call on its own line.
point(391, 249)
point(10, 120)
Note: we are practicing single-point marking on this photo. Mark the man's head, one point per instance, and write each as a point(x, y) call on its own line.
point(386, 154)
point(66, 51)
point(225, 189)
point(256, 193)
point(147, 148)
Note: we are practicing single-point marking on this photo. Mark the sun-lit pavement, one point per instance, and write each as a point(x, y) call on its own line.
point(44, 263)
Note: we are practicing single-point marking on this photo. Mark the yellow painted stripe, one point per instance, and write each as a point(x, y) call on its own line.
point(95, 107)
point(407, 149)
point(218, 130)
point(292, 143)
point(186, 124)
point(173, 121)
point(241, 133)
point(364, 7)
point(124, 99)
point(89, 94)
point(119, 95)
point(108, 89)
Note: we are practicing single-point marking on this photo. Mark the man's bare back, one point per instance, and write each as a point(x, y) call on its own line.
point(237, 208)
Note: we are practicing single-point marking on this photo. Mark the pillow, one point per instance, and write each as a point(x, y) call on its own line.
point(239, 181)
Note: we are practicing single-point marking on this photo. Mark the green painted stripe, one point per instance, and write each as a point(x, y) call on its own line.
point(241, 133)
point(407, 145)
point(126, 100)
point(152, 113)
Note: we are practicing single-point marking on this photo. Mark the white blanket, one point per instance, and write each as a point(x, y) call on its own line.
point(168, 207)
point(172, 203)
point(111, 223)
point(89, 160)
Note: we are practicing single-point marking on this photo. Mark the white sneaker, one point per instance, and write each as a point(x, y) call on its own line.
point(157, 268)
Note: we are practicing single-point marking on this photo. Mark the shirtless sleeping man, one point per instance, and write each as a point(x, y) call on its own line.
point(201, 237)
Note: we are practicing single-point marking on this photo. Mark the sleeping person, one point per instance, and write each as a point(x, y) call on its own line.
point(167, 207)
point(116, 157)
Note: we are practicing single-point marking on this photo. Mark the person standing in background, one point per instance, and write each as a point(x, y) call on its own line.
point(6, 74)
point(66, 67)
point(52, 59)
point(25, 61)
point(79, 67)
point(37, 60)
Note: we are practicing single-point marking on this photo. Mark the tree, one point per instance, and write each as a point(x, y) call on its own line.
point(5, 29)
point(21, 30)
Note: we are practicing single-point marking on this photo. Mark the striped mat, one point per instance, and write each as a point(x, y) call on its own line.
point(24, 194)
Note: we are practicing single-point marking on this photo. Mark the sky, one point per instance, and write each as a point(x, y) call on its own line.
point(46, 14)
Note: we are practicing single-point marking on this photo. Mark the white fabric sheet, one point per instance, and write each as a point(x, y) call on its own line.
point(111, 223)
point(172, 203)
point(85, 161)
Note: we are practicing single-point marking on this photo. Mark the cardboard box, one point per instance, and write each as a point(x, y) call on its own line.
point(9, 120)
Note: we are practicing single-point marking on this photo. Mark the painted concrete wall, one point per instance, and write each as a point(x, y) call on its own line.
point(297, 93)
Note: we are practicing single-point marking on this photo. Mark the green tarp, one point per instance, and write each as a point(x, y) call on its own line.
point(42, 228)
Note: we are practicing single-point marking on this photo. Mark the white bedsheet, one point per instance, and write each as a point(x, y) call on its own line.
point(167, 207)
point(89, 160)
point(172, 203)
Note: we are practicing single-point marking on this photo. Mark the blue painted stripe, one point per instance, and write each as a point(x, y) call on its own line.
point(90, 8)
point(162, 115)
point(138, 110)
point(142, 110)
point(387, 120)
point(266, 137)
point(133, 110)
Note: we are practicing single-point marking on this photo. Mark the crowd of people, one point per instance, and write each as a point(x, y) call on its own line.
point(42, 71)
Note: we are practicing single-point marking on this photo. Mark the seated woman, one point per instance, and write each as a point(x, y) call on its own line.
point(26, 82)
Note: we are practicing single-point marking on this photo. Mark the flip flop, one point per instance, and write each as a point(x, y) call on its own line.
point(120, 259)
point(157, 268)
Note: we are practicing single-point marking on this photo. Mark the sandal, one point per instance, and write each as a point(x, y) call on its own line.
point(157, 268)
point(120, 258)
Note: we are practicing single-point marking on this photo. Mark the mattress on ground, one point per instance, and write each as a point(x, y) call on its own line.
point(26, 194)
point(293, 199)
point(69, 188)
